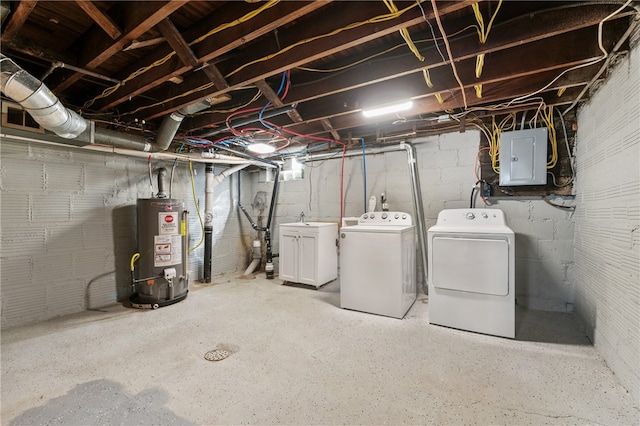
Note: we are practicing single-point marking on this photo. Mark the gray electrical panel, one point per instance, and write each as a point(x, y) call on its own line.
point(523, 157)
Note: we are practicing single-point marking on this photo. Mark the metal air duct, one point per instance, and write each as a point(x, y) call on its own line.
point(45, 108)
point(36, 98)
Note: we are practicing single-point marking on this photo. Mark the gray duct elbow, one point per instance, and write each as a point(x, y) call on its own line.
point(171, 124)
point(48, 111)
point(36, 98)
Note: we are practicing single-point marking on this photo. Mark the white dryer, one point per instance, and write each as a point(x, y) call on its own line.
point(378, 264)
point(471, 259)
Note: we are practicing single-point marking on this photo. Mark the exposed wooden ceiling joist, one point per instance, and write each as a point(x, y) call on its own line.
point(100, 18)
point(17, 18)
point(209, 48)
point(256, 66)
point(97, 47)
point(337, 56)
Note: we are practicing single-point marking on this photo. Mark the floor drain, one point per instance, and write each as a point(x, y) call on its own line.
point(216, 355)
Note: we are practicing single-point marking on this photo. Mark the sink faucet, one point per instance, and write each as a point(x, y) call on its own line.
point(302, 217)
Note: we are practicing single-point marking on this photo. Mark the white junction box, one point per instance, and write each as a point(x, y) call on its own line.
point(523, 157)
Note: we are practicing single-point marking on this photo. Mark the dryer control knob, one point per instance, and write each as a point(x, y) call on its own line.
point(397, 216)
point(373, 216)
point(404, 216)
point(365, 216)
point(470, 216)
point(485, 216)
point(384, 215)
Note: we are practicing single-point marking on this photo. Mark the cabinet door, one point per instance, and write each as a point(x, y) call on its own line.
point(289, 256)
point(308, 246)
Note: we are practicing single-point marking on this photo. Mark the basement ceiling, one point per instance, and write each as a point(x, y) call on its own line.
point(314, 65)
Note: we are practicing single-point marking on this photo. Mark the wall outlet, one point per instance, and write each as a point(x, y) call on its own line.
point(486, 190)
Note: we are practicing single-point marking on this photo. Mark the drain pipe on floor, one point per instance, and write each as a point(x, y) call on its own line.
point(415, 189)
point(211, 181)
point(269, 268)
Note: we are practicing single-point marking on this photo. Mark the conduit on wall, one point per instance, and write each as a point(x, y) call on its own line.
point(211, 181)
point(415, 189)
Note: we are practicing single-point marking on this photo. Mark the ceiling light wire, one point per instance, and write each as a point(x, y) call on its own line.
point(446, 43)
point(586, 64)
point(110, 90)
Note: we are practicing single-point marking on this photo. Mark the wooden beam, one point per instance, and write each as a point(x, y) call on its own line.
point(100, 18)
point(212, 47)
point(494, 93)
point(17, 19)
point(177, 43)
point(37, 50)
point(141, 17)
point(327, 126)
point(349, 13)
point(384, 70)
point(340, 94)
point(186, 55)
point(272, 97)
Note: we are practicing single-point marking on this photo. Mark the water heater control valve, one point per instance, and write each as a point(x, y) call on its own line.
point(170, 274)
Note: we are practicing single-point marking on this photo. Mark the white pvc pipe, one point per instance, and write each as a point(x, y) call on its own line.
point(211, 181)
point(252, 267)
point(211, 158)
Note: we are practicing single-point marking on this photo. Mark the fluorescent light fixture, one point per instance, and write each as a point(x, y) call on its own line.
point(261, 148)
point(388, 109)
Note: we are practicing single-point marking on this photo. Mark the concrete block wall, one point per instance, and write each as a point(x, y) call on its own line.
point(607, 243)
point(544, 255)
point(68, 227)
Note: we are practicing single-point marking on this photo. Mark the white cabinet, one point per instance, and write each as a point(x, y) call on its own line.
point(308, 252)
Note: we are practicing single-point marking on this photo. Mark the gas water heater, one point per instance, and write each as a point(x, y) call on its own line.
point(159, 273)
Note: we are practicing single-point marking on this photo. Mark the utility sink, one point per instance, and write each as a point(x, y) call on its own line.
point(308, 224)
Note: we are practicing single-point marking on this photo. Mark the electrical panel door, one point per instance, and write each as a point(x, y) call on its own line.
point(523, 157)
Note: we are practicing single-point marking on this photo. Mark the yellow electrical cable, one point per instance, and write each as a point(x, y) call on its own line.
point(439, 98)
point(197, 89)
point(404, 32)
point(479, 64)
point(478, 88)
point(483, 33)
point(353, 64)
point(135, 257)
point(561, 91)
point(374, 20)
point(195, 201)
point(240, 20)
point(507, 123)
point(358, 62)
point(108, 91)
point(547, 118)
point(427, 77)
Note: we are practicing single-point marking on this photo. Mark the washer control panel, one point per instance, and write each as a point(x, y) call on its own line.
point(472, 217)
point(385, 218)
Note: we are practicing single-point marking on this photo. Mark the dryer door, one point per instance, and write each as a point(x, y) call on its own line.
point(474, 264)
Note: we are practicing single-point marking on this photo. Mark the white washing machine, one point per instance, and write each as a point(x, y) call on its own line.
point(378, 264)
point(471, 259)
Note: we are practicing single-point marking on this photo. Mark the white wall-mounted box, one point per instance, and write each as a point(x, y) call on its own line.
point(523, 157)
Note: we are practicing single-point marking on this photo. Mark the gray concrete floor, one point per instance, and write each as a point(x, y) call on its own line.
point(297, 358)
